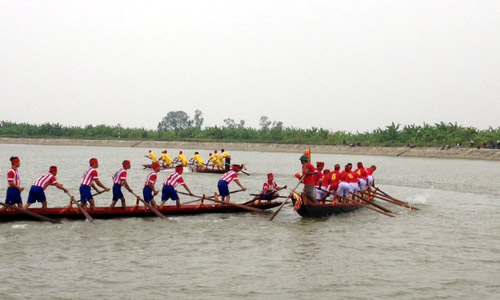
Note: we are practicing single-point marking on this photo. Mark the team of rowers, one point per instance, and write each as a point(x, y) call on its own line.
point(217, 160)
point(319, 184)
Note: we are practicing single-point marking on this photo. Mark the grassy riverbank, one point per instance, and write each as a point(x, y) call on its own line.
point(435, 152)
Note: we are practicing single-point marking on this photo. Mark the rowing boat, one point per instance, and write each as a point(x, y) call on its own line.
point(206, 170)
point(163, 167)
point(320, 210)
point(130, 211)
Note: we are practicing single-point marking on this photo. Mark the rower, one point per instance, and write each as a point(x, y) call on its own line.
point(149, 191)
point(334, 183)
point(226, 179)
point(165, 158)
point(37, 190)
point(198, 161)
point(182, 159)
point(89, 179)
point(322, 190)
point(14, 188)
point(361, 174)
point(218, 160)
point(269, 190)
point(172, 180)
point(152, 156)
point(119, 180)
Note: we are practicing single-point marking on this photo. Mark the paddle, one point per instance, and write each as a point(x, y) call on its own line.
point(80, 207)
point(366, 206)
point(262, 196)
point(152, 208)
point(389, 196)
point(242, 206)
point(374, 204)
point(286, 200)
point(378, 196)
point(30, 213)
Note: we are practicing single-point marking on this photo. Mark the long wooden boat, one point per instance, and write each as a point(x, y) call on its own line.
point(130, 211)
point(320, 210)
point(163, 167)
point(207, 170)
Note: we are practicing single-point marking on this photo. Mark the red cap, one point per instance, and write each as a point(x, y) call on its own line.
point(126, 163)
point(360, 165)
point(326, 171)
point(93, 161)
point(373, 167)
point(270, 175)
point(15, 160)
point(53, 169)
point(155, 166)
point(179, 168)
point(236, 168)
point(320, 164)
point(337, 167)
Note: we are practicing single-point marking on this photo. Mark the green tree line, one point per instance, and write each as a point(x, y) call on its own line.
point(437, 135)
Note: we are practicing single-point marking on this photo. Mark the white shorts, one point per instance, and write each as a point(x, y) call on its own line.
point(344, 189)
point(320, 193)
point(354, 187)
point(370, 180)
point(362, 184)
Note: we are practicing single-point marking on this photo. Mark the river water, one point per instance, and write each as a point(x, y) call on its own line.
point(449, 249)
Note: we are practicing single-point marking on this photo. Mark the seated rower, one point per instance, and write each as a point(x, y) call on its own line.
point(269, 190)
point(166, 159)
point(322, 189)
point(198, 161)
point(37, 190)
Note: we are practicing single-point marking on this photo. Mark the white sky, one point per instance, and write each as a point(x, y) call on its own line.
point(340, 65)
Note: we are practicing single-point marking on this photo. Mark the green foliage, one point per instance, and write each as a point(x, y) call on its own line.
point(435, 135)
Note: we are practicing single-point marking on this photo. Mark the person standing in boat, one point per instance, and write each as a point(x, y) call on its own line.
point(309, 178)
point(14, 187)
point(269, 190)
point(119, 180)
point(227, 159)
point(89, 180)
point(149, 191)
point(37, 190)
point(168, 191)
point(226, 179)
point(166, 159)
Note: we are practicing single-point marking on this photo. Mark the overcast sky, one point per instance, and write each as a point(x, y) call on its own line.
point(339, 65)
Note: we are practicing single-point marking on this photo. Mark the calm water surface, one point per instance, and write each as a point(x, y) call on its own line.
point(449, 249)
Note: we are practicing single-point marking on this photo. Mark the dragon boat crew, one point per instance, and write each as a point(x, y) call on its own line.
point(119, 180)
point(198, 160)
point(322, 192)
point(334, 184)
point(182, 159)
point(14, 187)
point(369, 176)
point(152, 156)
point(227, 159)
point(269, 190)
point(172, 180)
point(37, 190)
point(166, 159)
point(89, 180)
point(149, 191)
point(361, 175)
point(226, 179)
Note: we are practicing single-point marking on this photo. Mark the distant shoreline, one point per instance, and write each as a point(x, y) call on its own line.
point(431, 152)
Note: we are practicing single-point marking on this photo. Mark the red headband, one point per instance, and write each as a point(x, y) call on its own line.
point(270, 175)
point(179, 168)
point(126, 163)
point(15, 161)
point(93, 161)
point(53, 169)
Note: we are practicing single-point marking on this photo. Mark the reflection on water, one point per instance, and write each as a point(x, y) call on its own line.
point(447, 249)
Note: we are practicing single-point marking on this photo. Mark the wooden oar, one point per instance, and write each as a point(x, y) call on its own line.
point(80, 207)
point(389, 196)
point(242, 206)
point(30, 213)
point(262, 196)
point(374, 204)
point(286, 200)
point(369, 207)
point(394, 201)
point(153, 209)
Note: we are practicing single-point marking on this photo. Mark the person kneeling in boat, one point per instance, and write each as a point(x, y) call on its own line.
point(269, 190)
point(149, 191)
point(37, 190)
point(322, 190)
point(226, 179)
point(168, 191)
point(90, 178)
point(308, 177)
point(119, 180)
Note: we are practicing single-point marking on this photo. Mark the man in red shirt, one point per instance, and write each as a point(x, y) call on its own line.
point(322, 190)
point(361, 173)
point(369, 176)
point(308, 178)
